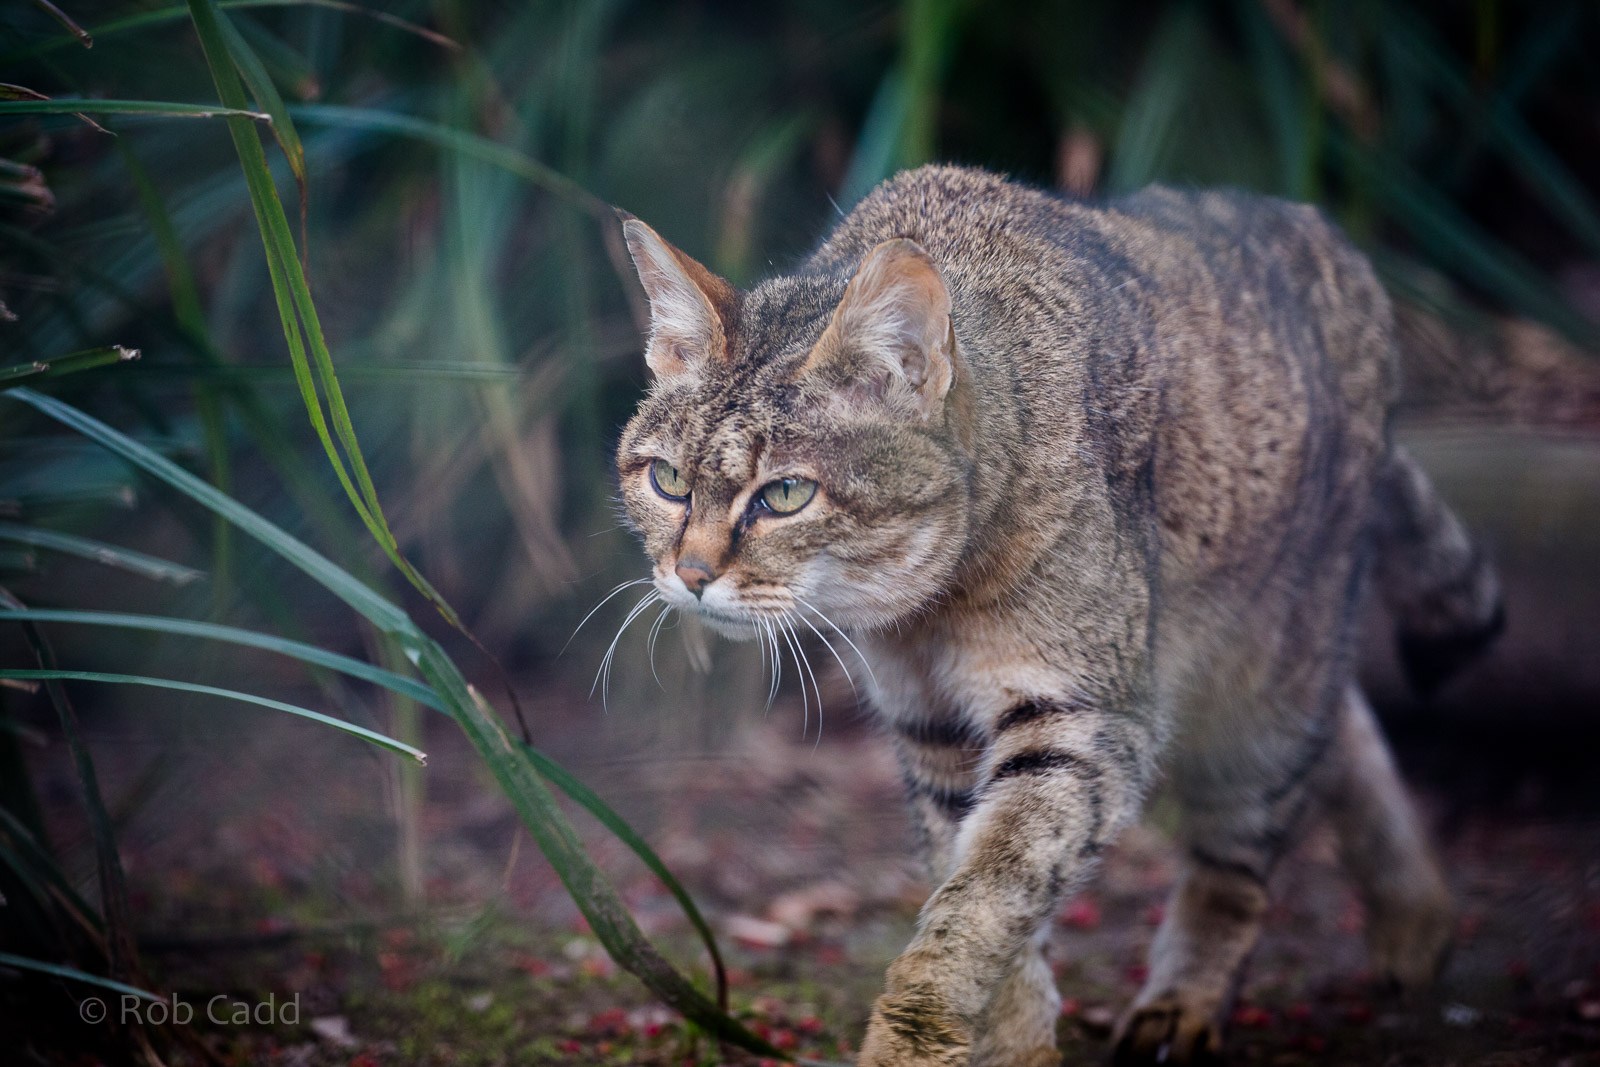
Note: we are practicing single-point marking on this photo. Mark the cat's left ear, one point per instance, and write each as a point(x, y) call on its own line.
point(689, 305)
point(892, 330)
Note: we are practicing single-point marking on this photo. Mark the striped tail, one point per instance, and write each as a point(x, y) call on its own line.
point(1441, 589)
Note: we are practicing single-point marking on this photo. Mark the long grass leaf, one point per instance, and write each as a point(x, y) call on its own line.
point(267, 98)
point(591, 802)
point(300, 650)
point(176, 13)
point(594, 895)
point(608, 917)
point(881, 132)
point(298, 311)
point(1454, 239)
point(1519, 146)
point(33, 862)
point(335, 579)
point(121, 952)
point(112, 556)
point(1157, 104)
point(562, 778)
point(458, 141)
point(23, 964)
point(159, 108)
point(71, 363)
point(381, 740)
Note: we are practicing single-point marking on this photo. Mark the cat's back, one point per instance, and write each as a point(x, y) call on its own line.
point(1239, 343)
point(1272, 338)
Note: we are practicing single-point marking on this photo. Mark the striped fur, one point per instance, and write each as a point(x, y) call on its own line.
point(1100, 490)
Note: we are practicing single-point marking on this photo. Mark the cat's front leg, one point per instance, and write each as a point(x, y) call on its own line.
point(1060, 779)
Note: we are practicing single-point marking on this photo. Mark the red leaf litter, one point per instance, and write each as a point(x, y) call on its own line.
point(1252, 1017)
point(1082, 913)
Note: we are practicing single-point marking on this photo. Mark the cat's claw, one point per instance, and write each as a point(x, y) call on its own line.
point(1166, 1031)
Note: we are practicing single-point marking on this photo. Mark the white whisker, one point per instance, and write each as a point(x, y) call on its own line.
point(777, 663)
point(807, 604)
point(824, 639)
point(597, 607)
point(602, 678)
point(655, 632)
point(805, 664)
point(805, 701)
point(815, 688)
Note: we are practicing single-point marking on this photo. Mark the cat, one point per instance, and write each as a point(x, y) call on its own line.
point(1097, 490)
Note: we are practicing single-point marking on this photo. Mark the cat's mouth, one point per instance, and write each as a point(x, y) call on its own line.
point(728, 609)
point(740, 626)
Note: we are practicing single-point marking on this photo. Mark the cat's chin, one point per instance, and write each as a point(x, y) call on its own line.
point(734, 628)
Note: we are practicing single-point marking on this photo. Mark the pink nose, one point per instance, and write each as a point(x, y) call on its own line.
point(695, 573)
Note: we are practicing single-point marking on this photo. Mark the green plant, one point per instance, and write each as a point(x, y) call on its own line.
point(429, 234)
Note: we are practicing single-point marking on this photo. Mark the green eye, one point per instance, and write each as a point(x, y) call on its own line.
point(668, 482)
point(788, 495)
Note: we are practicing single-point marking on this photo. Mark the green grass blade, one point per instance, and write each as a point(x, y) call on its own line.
point(161, 108)
point(1519, 146)
point(267, 98)
point(901, 124)
point(592, 803)
point(280, 252)
point(122, 954)
point(32, 861)
point(381, 740)
point(298, 311)
point(1157, 105)
point(459, 142)
point(110, 555)
point(881, 131)
point(235, 635)
point(335, 579)
point(1454, 239)
point(178, 12)
point(23, 964)
point(71, 363)
point(608, 916)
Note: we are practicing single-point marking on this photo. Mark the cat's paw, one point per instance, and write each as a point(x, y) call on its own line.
point(914, 1029)
point(1408, 941)
point(1166, 1030)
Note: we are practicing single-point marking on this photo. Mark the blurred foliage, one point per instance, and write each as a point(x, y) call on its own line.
point(446, 168)
point(454, 190)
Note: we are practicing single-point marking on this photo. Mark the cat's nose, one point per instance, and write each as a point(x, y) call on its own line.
point(695, 573)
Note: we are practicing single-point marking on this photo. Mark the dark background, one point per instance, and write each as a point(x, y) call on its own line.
point(487, 336)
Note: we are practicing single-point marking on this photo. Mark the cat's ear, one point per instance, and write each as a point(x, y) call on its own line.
point(892, 329)
point(689, 305)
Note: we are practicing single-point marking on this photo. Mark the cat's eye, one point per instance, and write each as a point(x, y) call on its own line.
point(788, 495)
point(667, 481)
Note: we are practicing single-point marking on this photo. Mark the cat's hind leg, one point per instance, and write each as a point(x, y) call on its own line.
point(1240, 808)
point(1382, 844)
point(1211, 925)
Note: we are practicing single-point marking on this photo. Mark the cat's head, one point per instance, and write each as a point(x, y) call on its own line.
point(800, 450)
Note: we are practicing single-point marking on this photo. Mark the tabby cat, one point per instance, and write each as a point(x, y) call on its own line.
point(1097, 490)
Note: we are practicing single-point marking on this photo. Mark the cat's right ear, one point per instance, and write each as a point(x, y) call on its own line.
point(689, 305)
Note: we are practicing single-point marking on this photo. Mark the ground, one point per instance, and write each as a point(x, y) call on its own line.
point(263, 867)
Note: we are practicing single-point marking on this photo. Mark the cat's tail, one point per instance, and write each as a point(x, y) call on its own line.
point(1439, 586)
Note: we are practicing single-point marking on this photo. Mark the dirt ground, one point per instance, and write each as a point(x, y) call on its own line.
point(265, 867)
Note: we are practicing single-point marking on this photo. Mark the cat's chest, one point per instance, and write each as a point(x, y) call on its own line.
point(976, 672)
